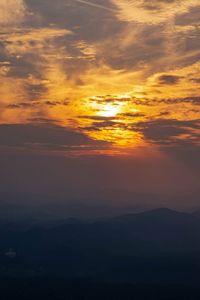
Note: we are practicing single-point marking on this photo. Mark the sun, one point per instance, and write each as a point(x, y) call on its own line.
point(109, 110)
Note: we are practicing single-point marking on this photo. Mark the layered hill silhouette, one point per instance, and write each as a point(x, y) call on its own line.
point(155, 246)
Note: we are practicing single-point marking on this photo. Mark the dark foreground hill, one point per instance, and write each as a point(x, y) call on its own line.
point(61, 289)
point(160, 246)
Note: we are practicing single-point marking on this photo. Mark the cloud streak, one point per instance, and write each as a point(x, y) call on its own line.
point(96, 5)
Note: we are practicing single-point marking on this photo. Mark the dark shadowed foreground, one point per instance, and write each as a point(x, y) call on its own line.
point(59, 289)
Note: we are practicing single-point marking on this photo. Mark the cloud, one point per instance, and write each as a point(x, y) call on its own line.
point(169, 131)
point(93, 57)
point(96, 5)
point(195, 100)
point(155, 11)
point(26, 40)
point(22, 105)
point(189, 18)
point(12, 12)
point(98, 118)
point(133, 115)
point(104, 124)
point(195, 80)
point(169, 79)
point(44, 136)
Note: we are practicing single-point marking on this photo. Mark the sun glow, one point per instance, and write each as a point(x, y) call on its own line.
point(109, 110)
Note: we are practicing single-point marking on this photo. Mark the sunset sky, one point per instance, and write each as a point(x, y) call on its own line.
point(99, 106)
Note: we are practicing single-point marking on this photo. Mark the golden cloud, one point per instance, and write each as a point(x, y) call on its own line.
point(155, 11)
point(12, 12)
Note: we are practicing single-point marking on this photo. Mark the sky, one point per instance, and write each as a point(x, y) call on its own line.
point(99, 106)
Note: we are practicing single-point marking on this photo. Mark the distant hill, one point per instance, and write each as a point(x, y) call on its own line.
point(196, 213)
point(154, 246)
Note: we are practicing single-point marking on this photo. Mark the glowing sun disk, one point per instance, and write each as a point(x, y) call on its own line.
point(109, 110)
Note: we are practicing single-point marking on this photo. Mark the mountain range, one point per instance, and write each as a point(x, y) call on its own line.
point(158, 246)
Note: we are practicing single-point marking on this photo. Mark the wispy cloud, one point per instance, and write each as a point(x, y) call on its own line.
point(96, 5)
